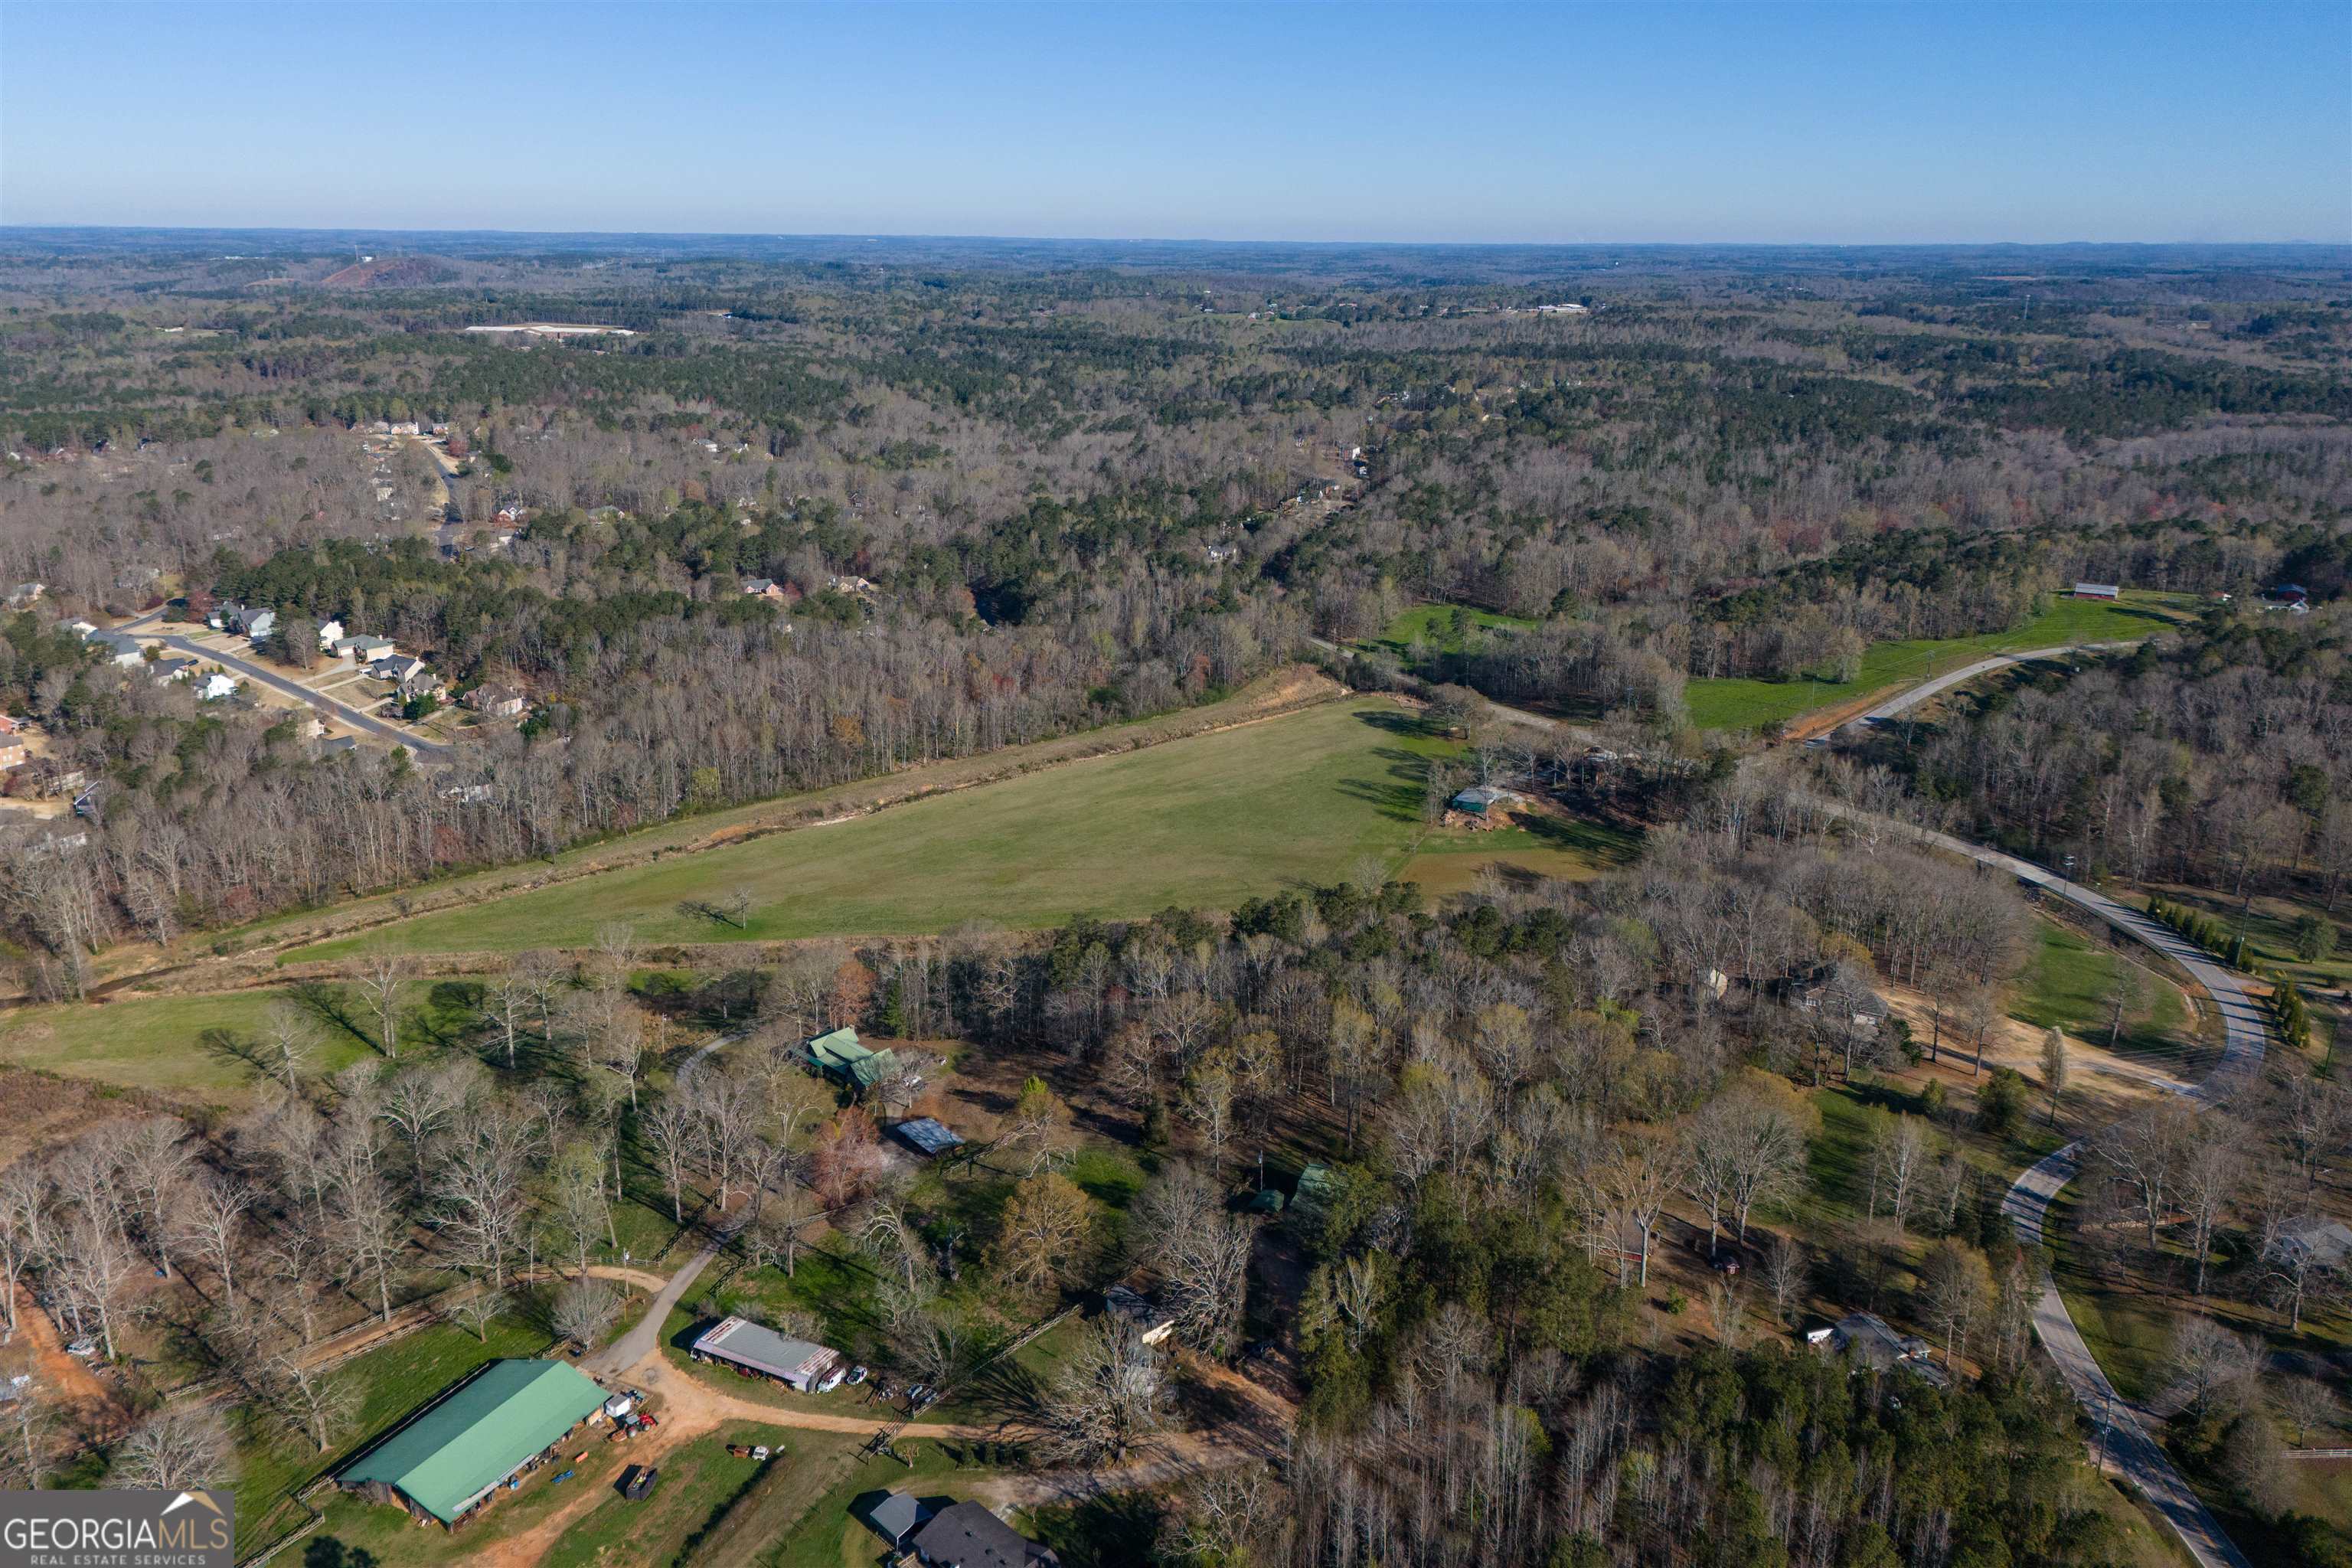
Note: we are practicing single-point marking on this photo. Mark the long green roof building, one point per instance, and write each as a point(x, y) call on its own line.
point(446, 1458)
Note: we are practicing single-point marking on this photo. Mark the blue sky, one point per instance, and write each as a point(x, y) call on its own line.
point(1891, 122)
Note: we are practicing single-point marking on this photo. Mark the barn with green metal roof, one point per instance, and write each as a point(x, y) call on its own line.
point(447, 1459)
point(840, 1056)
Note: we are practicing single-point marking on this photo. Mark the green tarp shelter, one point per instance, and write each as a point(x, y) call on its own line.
point(454, 1451)
point(838, 1056)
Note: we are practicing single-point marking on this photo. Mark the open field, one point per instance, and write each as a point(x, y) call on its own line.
point(171, 1044)
point(1439, 628)
point(1747, 704)
point(1280, 691)
point(1207, 821)
point(1568, 850)
point(2067, 984)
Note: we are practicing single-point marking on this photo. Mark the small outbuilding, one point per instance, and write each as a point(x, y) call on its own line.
point(1135, 1307)
point(928, 1136)
point(897, 1516)
point(2108, 591)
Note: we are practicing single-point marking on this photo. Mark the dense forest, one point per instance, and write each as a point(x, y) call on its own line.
point(1006, 500)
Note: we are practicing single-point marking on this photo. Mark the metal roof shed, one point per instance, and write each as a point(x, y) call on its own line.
point(928, 1136)
point(741, 1343)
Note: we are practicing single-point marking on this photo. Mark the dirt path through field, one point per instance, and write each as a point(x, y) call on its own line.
point(68, 1379)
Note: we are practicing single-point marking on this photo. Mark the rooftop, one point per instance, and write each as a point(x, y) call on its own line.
point(471, 1439)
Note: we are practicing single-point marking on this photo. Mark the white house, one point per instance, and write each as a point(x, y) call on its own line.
point(218, 684)
point(330, 632)
point(365, 649)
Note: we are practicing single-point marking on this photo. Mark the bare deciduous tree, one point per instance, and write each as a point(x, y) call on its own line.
point(178, 1448)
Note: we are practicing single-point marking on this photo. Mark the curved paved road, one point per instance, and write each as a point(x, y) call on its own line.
point(1961, 676)
point(2245, 1036)
point(354, 717)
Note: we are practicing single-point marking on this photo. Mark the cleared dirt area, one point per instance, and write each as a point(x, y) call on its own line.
point(2101, 1087)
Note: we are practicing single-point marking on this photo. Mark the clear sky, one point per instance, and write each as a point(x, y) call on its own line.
point(1657, 122)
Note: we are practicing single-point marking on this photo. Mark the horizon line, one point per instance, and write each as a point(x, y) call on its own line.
point(641, 234)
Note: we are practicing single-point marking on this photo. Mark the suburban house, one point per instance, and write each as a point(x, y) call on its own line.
point(398, 668)
point(447, 1459)
point(765, 588)
point(847, 583)
point(330, 632)
point(422, 682)
point(1135, 1307)
point(2097, 590)
point(755, 1350)
point(12, 751)
point(496, 701)
point(24, 593)
point(245, 620)
point(116, 648)
point(167, 671)
point(966, 1535)
point(366, 650)
point(928, 1136)
point(838, 1056)
point(2325, 1242)
point(216, 684)
point(1867, 1340)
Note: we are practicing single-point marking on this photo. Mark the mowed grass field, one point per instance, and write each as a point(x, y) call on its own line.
point(1203, 822)
point(1752, 704)
point(171, 1044)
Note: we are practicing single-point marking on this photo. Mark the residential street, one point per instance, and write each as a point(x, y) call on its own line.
point(350, 715)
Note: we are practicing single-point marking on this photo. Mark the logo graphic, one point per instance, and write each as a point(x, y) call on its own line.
point(117, 1529)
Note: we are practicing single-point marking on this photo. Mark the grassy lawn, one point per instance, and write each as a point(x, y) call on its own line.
point(1205, 821)
point(1439, 628)
point(1573, 849)
point(1746, 704)
point(205, 1044)
point(154, 1042)
point(831, 1532)
point(701, 1481)
point(275, 1461)
point(2067, 982)
point(776, 1501)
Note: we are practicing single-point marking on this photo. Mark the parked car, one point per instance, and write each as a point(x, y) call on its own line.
point(858, 1374)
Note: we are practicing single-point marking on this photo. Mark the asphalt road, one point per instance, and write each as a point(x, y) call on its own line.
point(1943, 683)
point(2124, 1442)
point(354, 717)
